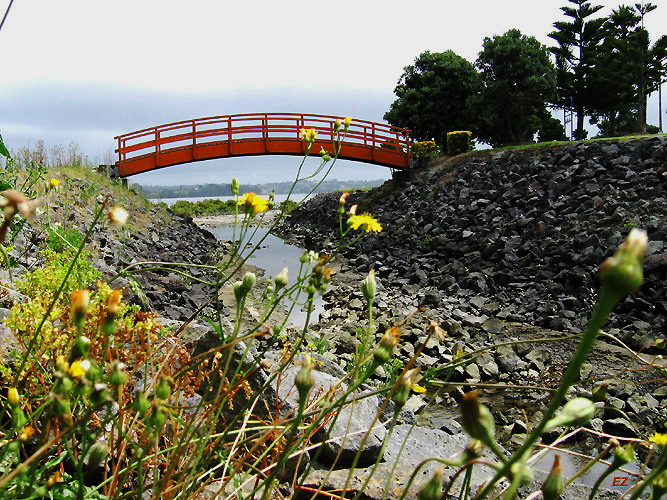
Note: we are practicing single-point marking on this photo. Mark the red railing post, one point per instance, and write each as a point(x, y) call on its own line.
point(229, 133)
point(157, 147)
point(373, 142)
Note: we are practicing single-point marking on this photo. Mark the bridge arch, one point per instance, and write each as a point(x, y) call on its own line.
point(258, 134)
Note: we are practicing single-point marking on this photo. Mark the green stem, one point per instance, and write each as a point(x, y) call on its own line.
point(606, 303)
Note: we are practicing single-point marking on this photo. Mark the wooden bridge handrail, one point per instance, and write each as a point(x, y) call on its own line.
point(266, 127)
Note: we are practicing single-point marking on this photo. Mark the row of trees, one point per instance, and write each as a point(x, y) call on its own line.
point(601, 68)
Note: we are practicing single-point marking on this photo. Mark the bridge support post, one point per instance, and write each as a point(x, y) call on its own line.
point(404, 176)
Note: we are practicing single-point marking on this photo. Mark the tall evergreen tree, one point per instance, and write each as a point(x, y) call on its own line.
point(578, 42)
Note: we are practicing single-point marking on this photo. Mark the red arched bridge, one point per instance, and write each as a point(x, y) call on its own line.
point(258, 134)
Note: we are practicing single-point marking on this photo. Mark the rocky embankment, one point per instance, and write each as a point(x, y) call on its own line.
point(516, 235)
point(505, 246)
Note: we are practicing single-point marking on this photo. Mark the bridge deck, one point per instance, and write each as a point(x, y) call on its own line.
point(258, 134)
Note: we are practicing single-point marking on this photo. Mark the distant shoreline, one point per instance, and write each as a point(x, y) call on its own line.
point(264, 220)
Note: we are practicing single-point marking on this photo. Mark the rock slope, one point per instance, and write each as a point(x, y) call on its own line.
point(516, 235)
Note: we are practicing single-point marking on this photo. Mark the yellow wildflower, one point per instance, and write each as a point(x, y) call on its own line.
point(26, 433)
point(54, 479)
point(658, 438)
point(253, 204)
point(54, 182)
point(79, 368)
point(308, 135)
point(366, 221)
point(347, 122)
point(418, 389)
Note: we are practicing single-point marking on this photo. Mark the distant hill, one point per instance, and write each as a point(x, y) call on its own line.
point(197, 190)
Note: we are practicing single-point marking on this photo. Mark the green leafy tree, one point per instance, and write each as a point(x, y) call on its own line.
point(519, 79)
point(578, 42)
point(433, 95)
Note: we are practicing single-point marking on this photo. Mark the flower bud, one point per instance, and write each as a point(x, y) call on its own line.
point(97, 454)
point(80, 348)
point(477, 419)
point(553, 485)
point(369, 287)
point(249, 281)
point(80, 301)
point(337, 124)
point(141, 403)
point(13, 396)
point(404, 384)
point(118, 375)
point(386, 346)
point(163, 389)
point(474, 449)
point(578, 411)
point(239, 291)
point(281, 280)
point(432, 489)
point(623, 455)
point(347, 122)
point(622, 273)
point(599, 393)
point(304, 379)
point(60, 406)
point(326, 156)
point(235, 186)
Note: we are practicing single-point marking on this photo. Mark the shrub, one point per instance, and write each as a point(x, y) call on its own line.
point(424, 148)
point(458, 142)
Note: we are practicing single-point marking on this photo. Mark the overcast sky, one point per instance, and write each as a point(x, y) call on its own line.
point(88, 70)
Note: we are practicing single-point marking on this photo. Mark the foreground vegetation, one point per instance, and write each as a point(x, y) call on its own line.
point(100, 400)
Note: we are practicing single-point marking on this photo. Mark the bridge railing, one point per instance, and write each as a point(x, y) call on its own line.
point(258, 127)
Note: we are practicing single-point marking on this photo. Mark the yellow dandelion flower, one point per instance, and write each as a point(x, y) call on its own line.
point(26, 433)
point(418, 389)
point(79, 368)
point(365, 221)
point(308, 135)
point(658, 438)
point(347, 122)
point(54, 182)
point(253, 204)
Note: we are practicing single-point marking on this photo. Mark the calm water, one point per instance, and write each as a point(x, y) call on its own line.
point(278, 198)
point(272, 256)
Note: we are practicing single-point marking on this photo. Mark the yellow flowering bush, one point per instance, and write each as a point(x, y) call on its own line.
point(458, 142)
point(424, 148)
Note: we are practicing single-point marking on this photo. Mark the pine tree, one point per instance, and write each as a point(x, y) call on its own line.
point(578, 43)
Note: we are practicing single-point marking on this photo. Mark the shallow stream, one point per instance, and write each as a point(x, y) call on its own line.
point(272, 256)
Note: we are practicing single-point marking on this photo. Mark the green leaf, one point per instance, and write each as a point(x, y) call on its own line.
point(3, 149)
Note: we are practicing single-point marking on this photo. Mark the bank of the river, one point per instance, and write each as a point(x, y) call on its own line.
point(504, 246)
